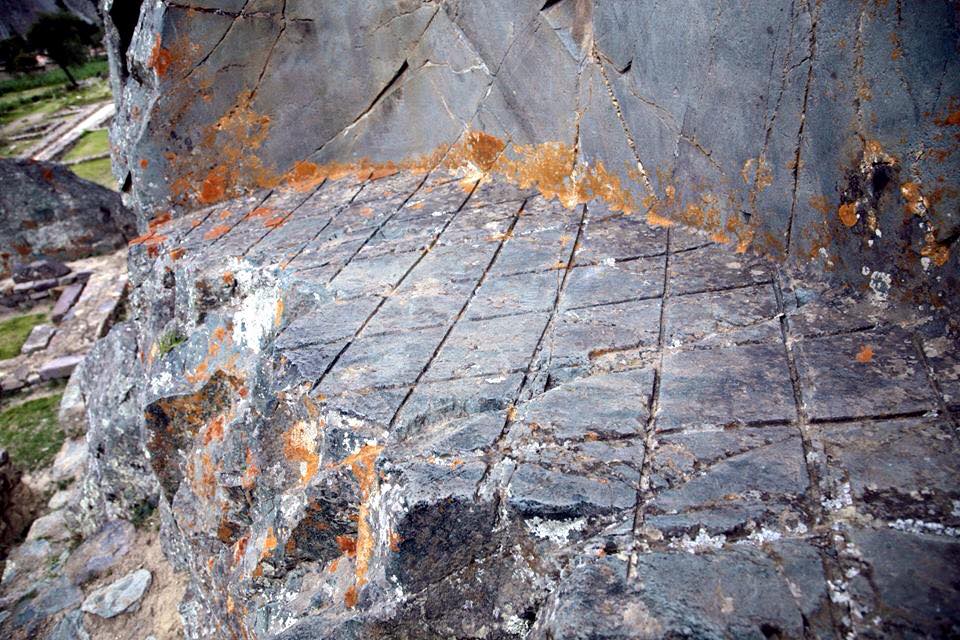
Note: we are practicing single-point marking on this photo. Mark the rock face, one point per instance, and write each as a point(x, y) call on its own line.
point(426, 407)
point(808, 130)
point(47, 212)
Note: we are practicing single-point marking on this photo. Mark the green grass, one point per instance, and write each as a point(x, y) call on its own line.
point(96, 171)
point(54, 77)
point(31, 433)
point(91, 143)
point(169, 341)
point(18, 105)
point(14, 332)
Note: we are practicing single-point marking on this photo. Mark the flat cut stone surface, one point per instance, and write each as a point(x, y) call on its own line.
point(620, 437)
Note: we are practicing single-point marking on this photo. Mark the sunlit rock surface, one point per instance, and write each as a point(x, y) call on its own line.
point(814, 131)
point(419, 406)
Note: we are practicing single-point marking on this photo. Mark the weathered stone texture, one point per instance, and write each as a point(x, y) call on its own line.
point(821, 131)
point(47, 212)
point(377, 408)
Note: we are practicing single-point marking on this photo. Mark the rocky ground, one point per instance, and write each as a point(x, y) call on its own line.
point(418, 407)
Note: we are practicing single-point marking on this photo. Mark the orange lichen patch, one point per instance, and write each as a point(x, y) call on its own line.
point(654, 219)
point(177, 253)
point(278, 312)
point(299, 444)
point(936, 252)
point(395, 541)
point(228, 279)
point(597, 182)
point(305, 176)
point(144, 163)
point(214, 430)
point(479, 149)
point(547, 167)
point(366, 212)
point(160, 59)
point(224, 214)
point(847, 213)
point(261, 212)
point(865, 354)
point(914, 202)
point(348, 545)
point(363, 466)
point(216, 232)
point(239, 549)
point(720, 237)
point(200, 373)
point(214, 187)
point(275, 222)
point(350, 597)
point(333, 565)
point(269, 543)
point(952, 119)
point(149, 239)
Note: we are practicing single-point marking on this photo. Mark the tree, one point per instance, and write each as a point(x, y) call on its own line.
point(15, 56)
point(65, 38)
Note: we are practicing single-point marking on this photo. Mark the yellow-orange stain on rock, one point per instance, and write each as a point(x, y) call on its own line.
point(913, 200)
point(216, 232)
point(865, 354)
point(363, 466)
point(350, 597)
point(278, 312)
point(299, 445)
point(848, 214)
point(938, 253)
point(160, 59)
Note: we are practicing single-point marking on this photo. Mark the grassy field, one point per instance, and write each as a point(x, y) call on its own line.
point(91, 143)
point(31, 433)
point(47, 101)
point(96, 171)
point(53, 77)
point(14, 332)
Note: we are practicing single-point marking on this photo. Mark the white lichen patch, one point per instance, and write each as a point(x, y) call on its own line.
point(701, 543)
point(556, 531)
point(880, 284)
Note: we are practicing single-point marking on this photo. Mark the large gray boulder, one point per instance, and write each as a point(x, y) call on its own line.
point(815, 131)
point(47, 212)
point(429, 408)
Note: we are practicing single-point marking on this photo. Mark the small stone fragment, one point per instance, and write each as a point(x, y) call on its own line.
point(60, 367)
point(39, 270)
point(119, 597)
point(67, 299)
point(39, 338)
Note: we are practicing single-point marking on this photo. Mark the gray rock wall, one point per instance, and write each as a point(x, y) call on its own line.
point(821, 131)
